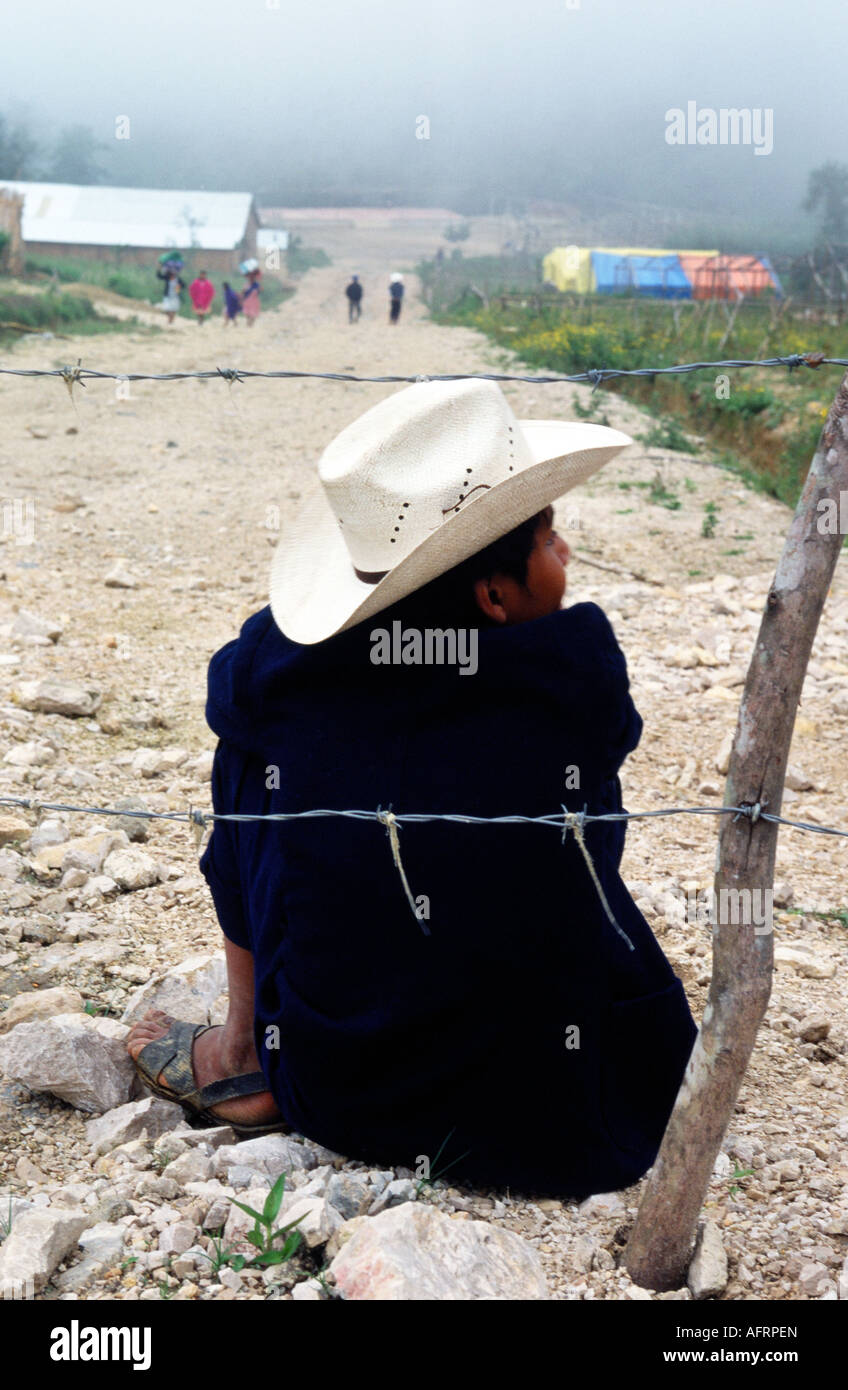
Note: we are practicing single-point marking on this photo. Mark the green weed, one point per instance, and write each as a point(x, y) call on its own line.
point(662, 496)
point(839, 915)
point(263, 1235)
point(94, 1010)
point(436, 1173)
point(708, 524)
point(667, 435)
point(6, 1222)
point(738, 1173)
point(221, 1255)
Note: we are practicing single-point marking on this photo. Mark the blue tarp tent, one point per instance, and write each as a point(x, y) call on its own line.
point(778, 288)
point(661, 277)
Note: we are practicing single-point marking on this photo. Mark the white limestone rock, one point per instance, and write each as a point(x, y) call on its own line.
point(317, 1218)
point(132, 868)
point(707, 1275)
point(41, 1003)
point(51, 696)
point(151, 1117)
point(414, 1252)
point(194, 990)
point(804, 962)
point(80, 1059)
point(37, 1243)
point(267, 1157)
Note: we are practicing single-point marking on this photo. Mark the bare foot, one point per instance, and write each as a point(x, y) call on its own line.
point(215, 1055)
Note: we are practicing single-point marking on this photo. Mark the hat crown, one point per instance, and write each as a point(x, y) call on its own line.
point(400, 471)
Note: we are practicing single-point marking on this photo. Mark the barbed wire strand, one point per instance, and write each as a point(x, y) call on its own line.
point(595, 376)
point(196, 816)
point(563, 821)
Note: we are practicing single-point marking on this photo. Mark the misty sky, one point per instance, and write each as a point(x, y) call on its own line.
point(524, 100)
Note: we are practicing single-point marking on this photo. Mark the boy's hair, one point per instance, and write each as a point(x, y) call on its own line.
point(450, 598)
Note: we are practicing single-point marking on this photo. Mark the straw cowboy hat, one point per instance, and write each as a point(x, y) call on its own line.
point(417, 484)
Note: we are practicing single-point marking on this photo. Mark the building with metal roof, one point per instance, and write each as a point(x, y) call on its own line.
point(96, 221)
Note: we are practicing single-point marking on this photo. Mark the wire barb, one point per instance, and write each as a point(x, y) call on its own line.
point(576, 820)
point(390, 821)
point(70, 376)
point(197, 821)
point(230, 374)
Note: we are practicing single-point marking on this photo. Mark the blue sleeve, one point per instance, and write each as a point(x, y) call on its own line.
point(219, 863)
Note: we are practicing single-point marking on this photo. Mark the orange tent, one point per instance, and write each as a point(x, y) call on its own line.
point(728, 277)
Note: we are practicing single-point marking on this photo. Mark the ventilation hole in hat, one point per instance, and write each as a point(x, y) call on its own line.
point(469, 470)
point(391, 540)
point(397, 528)
point(406, 504)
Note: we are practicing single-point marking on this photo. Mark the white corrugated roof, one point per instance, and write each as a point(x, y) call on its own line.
point(92, 215)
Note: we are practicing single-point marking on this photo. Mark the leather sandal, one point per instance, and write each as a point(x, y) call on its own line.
point(170, 1057)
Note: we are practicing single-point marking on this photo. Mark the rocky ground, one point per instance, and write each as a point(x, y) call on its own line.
point(137, 534)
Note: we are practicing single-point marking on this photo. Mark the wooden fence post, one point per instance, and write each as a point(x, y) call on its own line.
point(661, 1241)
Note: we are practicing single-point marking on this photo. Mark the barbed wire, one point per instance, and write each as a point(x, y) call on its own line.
point(564, 820)
point(78, 375)
point(556, 819)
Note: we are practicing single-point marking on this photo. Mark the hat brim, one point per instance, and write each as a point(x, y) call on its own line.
point(315, 591)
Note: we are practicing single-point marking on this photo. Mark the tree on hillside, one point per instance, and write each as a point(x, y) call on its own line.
point(18, 150)
point(457, 231)
point(74, 157)
point(827, 191)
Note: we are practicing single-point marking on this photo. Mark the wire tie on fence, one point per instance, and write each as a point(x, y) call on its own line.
point(230, 374)
point(389, 820)
point(70, 376)
point(576, 820)
point(751, 810)
point(197, 821)
point(423, 378)
point(596, 376)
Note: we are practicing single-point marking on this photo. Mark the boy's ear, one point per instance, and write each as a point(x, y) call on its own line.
point(490, 599)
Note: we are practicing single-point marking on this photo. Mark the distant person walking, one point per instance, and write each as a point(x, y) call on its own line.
point(250, 295)
point(232, 303)
point(395, 296)
point(354, 299)
point(169, 271)
point(202, 292)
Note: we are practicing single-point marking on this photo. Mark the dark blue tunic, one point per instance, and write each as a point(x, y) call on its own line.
point(395, 1044)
